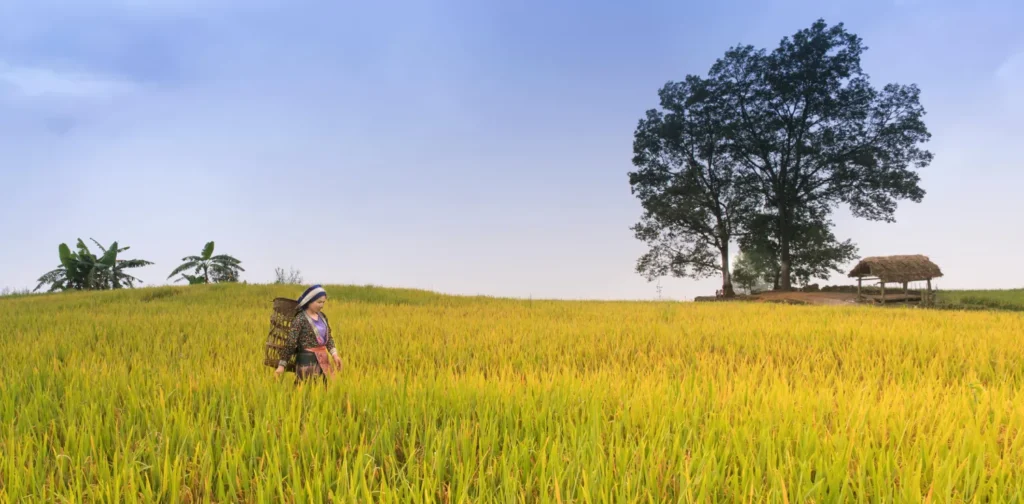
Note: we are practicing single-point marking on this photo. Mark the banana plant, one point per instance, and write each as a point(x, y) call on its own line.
point(65, 276)
point(113, 274)
point(209, 267)
point(83, 270)
point(192, 279)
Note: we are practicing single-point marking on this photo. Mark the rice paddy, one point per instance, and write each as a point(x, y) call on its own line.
point(160, 395)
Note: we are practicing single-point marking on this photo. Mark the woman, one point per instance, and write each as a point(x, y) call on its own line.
point(310, 339)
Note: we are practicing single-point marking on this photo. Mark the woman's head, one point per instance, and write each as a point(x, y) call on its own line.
point(313, 299)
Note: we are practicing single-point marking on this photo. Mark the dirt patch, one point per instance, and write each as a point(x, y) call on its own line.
point(814, 298)
point(800, 298)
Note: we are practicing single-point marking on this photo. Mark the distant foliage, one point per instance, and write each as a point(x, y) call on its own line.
point(83, 270)
point(748, 273)
point(209, 268)
point(292, 277)
point(7, 291)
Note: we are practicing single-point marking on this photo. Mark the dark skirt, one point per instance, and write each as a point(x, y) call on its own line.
point(307, 367)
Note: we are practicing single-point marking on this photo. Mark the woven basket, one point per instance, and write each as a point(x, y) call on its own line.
point(280, 323)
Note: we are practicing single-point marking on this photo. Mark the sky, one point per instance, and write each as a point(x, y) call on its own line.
point(466, 147)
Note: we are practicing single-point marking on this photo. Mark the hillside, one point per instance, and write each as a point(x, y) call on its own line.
point(161, 395)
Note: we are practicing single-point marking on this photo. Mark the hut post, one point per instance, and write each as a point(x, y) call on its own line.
point(906, 293)
point(929, 296)
point(883, 293)
point(858, 288)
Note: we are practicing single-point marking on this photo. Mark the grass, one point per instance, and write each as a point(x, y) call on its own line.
point(1007, 299)
point(160, 395)
point(9, 292)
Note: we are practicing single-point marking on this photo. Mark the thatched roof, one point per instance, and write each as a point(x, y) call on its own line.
point(898, 268)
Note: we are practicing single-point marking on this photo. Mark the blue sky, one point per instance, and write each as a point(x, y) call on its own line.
point(466, 147)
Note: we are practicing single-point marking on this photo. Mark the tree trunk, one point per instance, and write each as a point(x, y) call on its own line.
point(727, 290)
point(784, 260)
point(784, 257)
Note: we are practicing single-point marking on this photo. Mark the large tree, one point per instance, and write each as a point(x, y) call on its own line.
point(809, 129)
point(688, 184)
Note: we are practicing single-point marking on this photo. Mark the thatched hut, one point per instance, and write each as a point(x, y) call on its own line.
point(901, 269)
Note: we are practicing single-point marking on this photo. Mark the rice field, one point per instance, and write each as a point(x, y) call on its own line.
point(1002, 299)
point(160, 395)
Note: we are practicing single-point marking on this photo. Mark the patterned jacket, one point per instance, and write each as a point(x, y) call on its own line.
point(302, 335)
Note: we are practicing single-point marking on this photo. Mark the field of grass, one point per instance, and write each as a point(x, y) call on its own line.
point(1007, 299)
point(160, 395)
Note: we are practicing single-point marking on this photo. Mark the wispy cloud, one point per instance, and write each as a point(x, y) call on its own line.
point(1010, 79)
point(39, 98)
point(37, 82)
point(1012, 68)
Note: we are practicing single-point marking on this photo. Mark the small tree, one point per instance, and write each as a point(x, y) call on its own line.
point(224, 275)
point(7, 291)
point(817, 253)
point(209, 268)
point(293, 277)
point(83, 270)
point(745, 273)
point(114, 274)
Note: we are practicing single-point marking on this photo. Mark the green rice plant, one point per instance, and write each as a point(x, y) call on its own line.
point(996, 299)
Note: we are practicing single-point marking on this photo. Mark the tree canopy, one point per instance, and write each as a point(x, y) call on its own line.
point(688, 184)
point(802, 131)
point(810, 129)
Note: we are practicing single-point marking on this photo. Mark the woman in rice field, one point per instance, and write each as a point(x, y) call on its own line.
point(310, 340)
